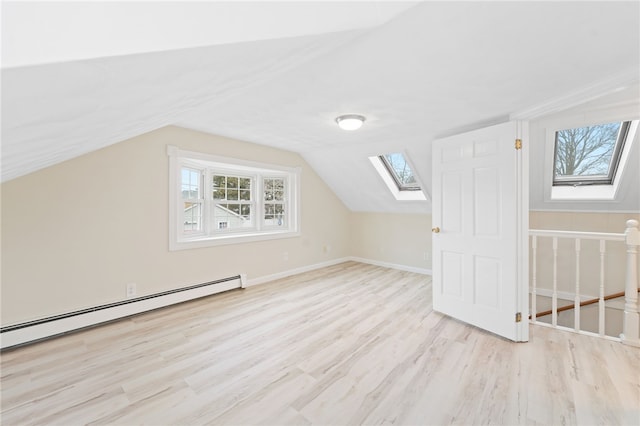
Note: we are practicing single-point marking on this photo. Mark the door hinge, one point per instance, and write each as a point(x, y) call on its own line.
point(518, 143)
point(518, 316)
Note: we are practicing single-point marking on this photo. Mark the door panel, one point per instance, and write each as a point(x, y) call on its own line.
point(475, 273)
point(451, 268)
point(486, 202)
point(452, 201)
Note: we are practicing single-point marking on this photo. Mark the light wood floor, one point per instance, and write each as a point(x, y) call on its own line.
point(349, 344)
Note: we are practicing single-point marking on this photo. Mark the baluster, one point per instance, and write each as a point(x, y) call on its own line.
point(534, 247)
point(554, 295)
point(631, 318)
point(576, 302)
point(601, 299)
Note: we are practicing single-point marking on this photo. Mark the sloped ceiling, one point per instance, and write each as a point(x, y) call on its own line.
point(416, 71)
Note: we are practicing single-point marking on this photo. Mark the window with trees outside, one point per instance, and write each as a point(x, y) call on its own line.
point(222, 201)
point(589, 155)
point(400, 171)
point(398, 176)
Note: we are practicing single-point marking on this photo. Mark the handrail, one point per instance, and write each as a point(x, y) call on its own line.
point(584, 303)
point(608, 236)
point(631, 314)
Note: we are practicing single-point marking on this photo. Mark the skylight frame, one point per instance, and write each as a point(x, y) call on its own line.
point(415, 186)
point(390, 183)
point(614, 163)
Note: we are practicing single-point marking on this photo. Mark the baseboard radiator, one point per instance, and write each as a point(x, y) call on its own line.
point(44, 328)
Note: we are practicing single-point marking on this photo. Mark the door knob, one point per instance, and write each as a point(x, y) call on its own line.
point(435, 230)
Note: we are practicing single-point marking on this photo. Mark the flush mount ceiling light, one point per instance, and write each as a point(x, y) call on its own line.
point(350, 121)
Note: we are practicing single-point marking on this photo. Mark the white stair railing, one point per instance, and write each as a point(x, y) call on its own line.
point(631, 317)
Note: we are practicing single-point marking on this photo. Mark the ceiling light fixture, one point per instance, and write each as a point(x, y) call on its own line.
point(350, 121)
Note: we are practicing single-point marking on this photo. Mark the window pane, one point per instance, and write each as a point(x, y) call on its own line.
point(219, 181)
point(232, 182)
point(245, 183)
point(245, 195)
point(274, 189)
point(233, 216)
point(400, 171)
point(268, 211)
point(232, 194)
point(192, 218)
point(586, 151)
point(219, 194)
point(190, 184)
point(274, 215)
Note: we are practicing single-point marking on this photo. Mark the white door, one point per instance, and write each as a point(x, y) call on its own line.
point(480, 222)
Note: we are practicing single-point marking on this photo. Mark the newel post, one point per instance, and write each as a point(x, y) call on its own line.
point(631, 319)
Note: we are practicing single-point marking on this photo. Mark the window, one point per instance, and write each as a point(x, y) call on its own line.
point(585, 161)
point(191, 200)
point(398, 176)
point(400, 171)
point(274, 202)
point(233, 201)
point(589, 155)
point(224, 201)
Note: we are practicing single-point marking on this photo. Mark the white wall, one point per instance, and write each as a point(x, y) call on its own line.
point(74, 234)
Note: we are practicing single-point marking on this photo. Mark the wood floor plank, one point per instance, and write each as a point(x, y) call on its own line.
point(344, 345)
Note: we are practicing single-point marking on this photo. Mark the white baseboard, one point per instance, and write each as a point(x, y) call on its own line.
point(417, 270)
point(31, 331)
point(295, 271)
point(284, 274)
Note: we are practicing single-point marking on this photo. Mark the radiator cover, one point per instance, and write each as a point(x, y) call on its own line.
point(44, 328)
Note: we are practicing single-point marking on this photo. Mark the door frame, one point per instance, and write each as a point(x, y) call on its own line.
point(522, 237)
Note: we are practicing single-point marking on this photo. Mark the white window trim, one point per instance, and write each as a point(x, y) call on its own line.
point(413, 195)
point(179, 158)
point(586, 192)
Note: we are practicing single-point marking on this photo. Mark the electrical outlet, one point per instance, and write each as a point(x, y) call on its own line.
point(426, 255)
point(131, 289)
point(285, 255)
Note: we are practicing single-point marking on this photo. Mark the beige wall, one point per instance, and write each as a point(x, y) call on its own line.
point(73, 235)
point(401, 239)
point(615, 258)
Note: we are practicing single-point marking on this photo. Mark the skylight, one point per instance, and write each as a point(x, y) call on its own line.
point(589, 155)
point(400, 171)
point(398, 176)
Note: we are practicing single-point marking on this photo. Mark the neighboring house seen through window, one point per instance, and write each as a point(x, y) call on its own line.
point(224, 201)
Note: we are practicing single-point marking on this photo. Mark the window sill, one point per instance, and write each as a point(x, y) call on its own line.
point(583, 193)
point(219, 240)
